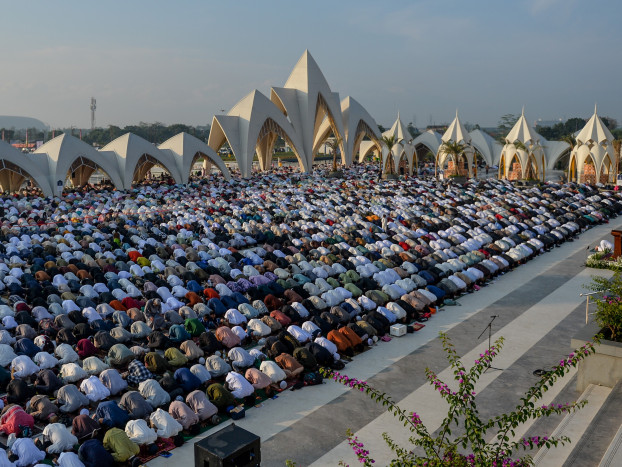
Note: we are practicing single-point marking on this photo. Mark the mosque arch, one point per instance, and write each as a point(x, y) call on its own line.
point(16, 167)
point(404, 167)
point(267, 136)
point(206, 169)
point(531, 169)
point(503, 173)
point(358, 126)
point(12, 176)
point(414, 160)
point(555, 150)
point(363, 130)
point(68, 154)
point(207, 164)
point(606, 170)
point(478, 158)
point(516, 168)
point(423, 150)
point(81, 170)
point(185, 147)
point(427, 145)
point(323, 112)
point(210, 157)
point(588, 170)
point(560, 158)
point(429, 139)
point(368, 148)
point(130, 149)
point(572, 169)
point(144, 164)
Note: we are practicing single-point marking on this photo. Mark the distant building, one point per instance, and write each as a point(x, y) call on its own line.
point(21, 123)
point(437, 128)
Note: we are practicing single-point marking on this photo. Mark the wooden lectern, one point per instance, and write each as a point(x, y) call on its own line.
point(617, 243)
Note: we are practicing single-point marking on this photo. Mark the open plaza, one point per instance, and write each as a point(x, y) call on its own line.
point(148, 309)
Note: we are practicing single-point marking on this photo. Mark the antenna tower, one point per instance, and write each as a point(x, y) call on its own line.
point(93, 107)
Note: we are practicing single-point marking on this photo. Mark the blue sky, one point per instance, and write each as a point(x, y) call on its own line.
point(183, 61)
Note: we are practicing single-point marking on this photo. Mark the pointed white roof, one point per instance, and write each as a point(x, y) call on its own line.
point(399, 131)
point(254, 101)
point(306, 74)
point(67, 144)
point(522, 132)
point(456, 132)
point(594, 130)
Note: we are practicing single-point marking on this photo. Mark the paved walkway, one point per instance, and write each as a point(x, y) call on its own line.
point(538, 307)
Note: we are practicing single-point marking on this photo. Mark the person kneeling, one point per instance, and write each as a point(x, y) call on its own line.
point(121, 447)
point(183, 414)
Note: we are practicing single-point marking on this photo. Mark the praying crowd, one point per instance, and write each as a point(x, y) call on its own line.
point(132, 319)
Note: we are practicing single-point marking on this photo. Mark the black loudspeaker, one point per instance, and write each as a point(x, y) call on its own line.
point(230, 447)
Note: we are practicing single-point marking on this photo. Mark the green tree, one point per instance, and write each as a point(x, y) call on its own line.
point(454, 151)
point(156, 132)
point(505, 124)
point(609, 122)
point(389, 142)
point(9, 133)
point(570, 139)
point(574, 124)
point(412, 130)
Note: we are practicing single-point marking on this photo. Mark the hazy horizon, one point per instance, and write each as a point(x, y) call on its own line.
point(177, 62)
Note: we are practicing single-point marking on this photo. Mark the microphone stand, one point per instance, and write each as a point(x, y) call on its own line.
point(489, 328)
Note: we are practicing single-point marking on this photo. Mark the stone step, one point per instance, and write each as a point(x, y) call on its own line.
point(613, 456)
point(574, 426)
point(589, 450)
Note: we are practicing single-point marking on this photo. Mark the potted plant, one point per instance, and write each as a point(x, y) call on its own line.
point(605, 366)
point(608, 315)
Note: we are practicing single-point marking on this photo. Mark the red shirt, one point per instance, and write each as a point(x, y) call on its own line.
point(13, 418)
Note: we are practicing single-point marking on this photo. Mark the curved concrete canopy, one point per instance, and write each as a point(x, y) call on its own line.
point(185, 147)
point(252, 119)
point(33, 166)
point(63, 150)
point(129, 149)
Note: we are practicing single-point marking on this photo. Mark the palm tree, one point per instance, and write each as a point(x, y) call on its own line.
point(617, 145)
point(389, 142)
point(454, 150)
point(570, 140)
point(334, 146)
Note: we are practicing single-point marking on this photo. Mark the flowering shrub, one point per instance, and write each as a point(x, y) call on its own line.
point(470, 448)
point(603, 260)
point(609, 308)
